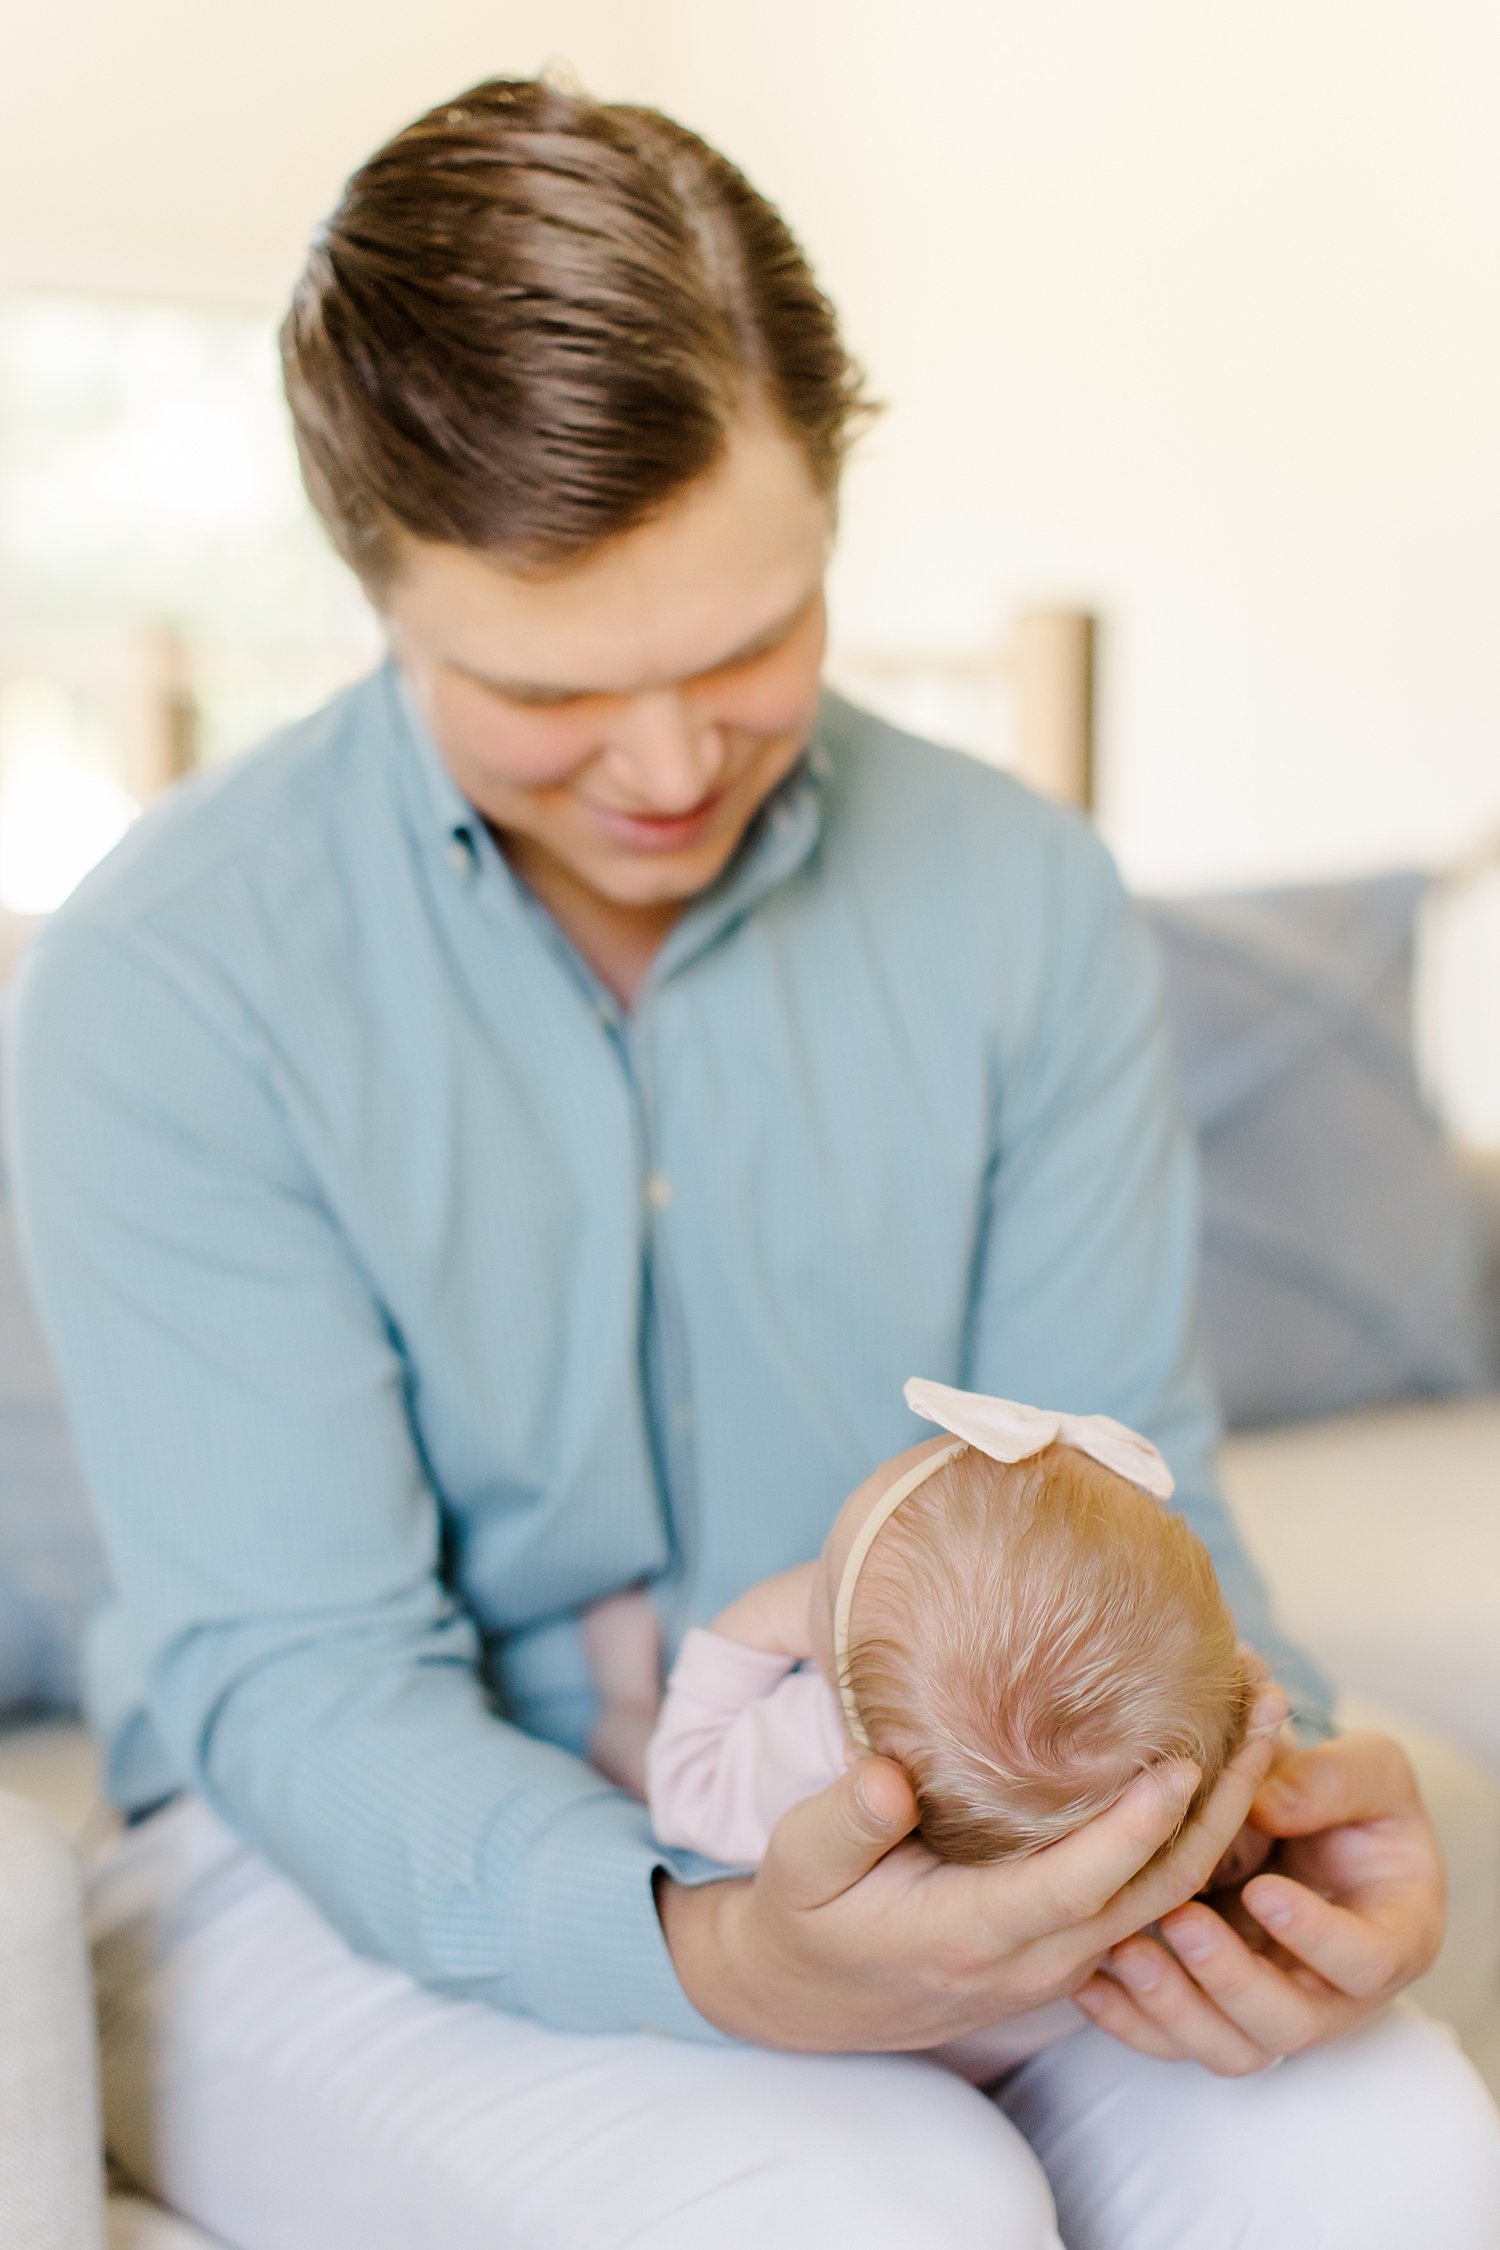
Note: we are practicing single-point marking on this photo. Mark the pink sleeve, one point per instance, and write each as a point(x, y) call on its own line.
point(740, 1738)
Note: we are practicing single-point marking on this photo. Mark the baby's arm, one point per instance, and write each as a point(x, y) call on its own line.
point(742, 1735)
point(774, 1615)
point(622, 1641)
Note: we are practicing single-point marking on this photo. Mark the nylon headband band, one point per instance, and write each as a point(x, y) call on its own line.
point(869, 1531)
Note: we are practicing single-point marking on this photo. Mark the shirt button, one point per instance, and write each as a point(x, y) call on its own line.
point(658, 1191)
point(460, 857)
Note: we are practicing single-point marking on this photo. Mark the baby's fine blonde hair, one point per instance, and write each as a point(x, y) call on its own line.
point(1026, 1638)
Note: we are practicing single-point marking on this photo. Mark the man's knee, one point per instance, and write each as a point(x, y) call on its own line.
point(1386, 2139)
point(884, 2151)
point(1419, 2134)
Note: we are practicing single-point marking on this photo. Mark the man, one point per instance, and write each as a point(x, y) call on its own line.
point(508, 1139)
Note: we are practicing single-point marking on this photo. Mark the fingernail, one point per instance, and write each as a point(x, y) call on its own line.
point(1271, 1907)
point(1140, 1970)
point(1269, 1709)
point(1190, 1939)
point(872, 1813)
point(1180, 1780)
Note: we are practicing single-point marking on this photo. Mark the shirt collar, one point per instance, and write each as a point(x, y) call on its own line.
point(450, 809)
point(780, 838)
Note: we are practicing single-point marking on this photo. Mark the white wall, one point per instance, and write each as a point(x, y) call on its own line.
point(187, 146)
point(1186, 312)
point(1192, 313)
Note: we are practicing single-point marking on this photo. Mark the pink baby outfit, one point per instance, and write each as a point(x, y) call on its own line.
point(742, 1736)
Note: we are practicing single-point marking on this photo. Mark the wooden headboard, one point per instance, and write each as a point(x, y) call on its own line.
point(1027, 703)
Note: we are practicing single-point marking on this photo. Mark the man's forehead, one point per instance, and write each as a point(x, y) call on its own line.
point(740, 555)
point(531, 684)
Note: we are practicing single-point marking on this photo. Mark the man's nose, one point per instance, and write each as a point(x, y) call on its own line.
point(666, 754)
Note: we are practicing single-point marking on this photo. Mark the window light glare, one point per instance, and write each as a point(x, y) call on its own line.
point(59, 814)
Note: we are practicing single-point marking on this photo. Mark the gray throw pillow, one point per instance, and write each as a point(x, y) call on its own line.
point(49, 1555)
point(1342, 1254)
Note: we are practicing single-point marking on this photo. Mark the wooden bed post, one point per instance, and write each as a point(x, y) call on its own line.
point(1025, 700)
point(1053, 668)
point(159, 713)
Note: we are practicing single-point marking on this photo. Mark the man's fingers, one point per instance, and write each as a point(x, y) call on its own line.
point(1184, 2013)
point(1265, 2001)
point(1071, 1882)
point(1110, 2006)
point(821, 1847)
point(1355, 1953)
point(1334, 1784)
point(1197, 1851)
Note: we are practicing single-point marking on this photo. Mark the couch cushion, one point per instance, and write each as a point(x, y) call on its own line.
point(51, 2175)
point(1380, 1536)
point(57, 1767)
point(49, 1555)
point(1463, 1985)
point(1342, 1256)
point(131, 2224)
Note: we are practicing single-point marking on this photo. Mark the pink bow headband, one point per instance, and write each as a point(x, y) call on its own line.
point(1006, 1431)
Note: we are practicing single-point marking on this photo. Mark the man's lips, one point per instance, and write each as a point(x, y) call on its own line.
point(658, 832)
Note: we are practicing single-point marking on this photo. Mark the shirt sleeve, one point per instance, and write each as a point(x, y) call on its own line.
point(741, 1738)
point(240, 1406)
point(1086, 1287)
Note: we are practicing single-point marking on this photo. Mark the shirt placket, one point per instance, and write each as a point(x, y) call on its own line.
point(662, 1345)
point(665, 1359)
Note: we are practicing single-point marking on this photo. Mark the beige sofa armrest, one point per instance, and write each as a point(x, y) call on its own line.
point(1481, 1171)
point(1463, 1797)
point(1481, 1168)
point(51, 2175)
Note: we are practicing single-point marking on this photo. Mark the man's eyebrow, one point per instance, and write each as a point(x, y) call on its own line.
point(547, 691)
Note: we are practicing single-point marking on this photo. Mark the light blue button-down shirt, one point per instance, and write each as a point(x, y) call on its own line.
point(409, 1293)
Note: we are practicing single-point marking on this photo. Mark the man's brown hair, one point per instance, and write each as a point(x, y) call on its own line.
point(530, 322)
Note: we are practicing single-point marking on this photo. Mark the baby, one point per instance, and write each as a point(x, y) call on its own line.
point(1012, 1615)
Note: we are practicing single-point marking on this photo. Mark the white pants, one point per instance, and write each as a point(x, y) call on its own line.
point(287, 2095)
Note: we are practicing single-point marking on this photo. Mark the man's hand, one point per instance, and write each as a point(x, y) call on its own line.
point(852, 1936)
point(1349, 1909)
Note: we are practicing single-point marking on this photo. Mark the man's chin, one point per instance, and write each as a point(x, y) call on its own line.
point(647, 880)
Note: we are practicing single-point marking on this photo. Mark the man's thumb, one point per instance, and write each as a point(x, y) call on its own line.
point(1354, 1778)
point(821, 1847)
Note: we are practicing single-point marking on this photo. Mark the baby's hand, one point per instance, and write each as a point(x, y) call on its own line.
point(622, 1642)
point(617, 1745)
point(774, 1615)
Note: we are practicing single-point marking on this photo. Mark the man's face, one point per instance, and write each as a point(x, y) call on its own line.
point(620, 721)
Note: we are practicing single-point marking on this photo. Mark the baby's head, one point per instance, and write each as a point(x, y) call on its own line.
point(1025, 1638)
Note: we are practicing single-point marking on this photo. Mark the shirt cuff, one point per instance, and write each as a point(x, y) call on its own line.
point(726, 1671)
point(588, 1948)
